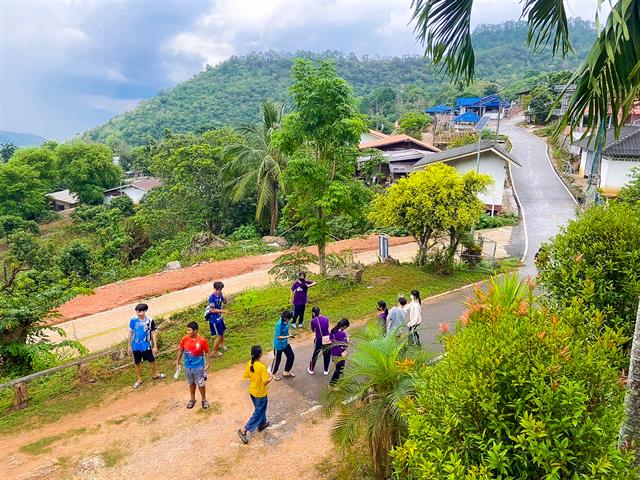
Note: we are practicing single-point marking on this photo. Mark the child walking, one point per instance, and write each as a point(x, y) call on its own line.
point(196, 363)
point(320, 328)
point(415, 317)
point(214, 316)
point(339, 343)
point(281, 345)
point(259, 379)
point(143, 342)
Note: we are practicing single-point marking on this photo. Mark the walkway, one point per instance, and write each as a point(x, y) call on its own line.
point(546, 203)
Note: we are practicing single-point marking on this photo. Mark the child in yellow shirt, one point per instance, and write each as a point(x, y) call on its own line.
point(256, 372)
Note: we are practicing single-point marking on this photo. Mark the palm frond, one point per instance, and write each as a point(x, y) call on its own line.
point(444, 29)
point(608, 81)
point(547, 19)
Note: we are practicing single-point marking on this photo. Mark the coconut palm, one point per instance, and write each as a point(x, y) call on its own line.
point(368, 395)
point(256, 166)
point(607, 84)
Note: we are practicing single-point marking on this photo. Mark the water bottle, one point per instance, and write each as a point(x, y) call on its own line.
point(177, 374)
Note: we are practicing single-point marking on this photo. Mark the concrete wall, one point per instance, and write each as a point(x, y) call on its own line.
point(586, 161)
point(492, 165)
point(135, 194)
point(615, 174)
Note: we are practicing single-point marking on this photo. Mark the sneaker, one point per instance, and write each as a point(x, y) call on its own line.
point(224, 348)
point(243, 436)
point(293, 325)
point(300, 325)
point(325, 373)
point(309, 371)
point(217, 354)
point(264, 427)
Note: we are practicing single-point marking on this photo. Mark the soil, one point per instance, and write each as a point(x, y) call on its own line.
point(125, 292)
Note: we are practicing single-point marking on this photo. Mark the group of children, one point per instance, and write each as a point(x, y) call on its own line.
point(332, 343)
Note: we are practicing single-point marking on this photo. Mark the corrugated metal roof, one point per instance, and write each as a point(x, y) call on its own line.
point(466, 101)
point(64, 196)
point(466, 150)
point(466, 117)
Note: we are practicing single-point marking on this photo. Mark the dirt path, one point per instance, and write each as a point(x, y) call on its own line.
point(122, 293)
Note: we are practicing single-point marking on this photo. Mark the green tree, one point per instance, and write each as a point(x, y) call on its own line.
point(76, 259)
point(432, 203)
point(87, 170)
point(21, 191)
point(414, 123)
point(7, 150)
point(367, 398)
point(257, 166)
point(43, 161)
point(630, 193)
point(124, 204)
point(322, 136)
point(12, 223)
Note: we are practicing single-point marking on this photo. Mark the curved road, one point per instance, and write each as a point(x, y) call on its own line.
point(545, 202)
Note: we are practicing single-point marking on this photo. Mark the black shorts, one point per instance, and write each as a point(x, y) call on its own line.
point(147, 356)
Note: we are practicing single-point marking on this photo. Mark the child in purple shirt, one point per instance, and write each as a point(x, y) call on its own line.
point(383, 314)
point(339, 343)
point(320, 327)
point(299, 298)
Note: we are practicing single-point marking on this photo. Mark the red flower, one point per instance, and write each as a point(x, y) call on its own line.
point(464, 318)
point(523, 308)
point(579, 257)
point(444, 328)
point(542, 334)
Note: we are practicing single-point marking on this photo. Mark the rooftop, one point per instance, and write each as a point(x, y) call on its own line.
point(64, 196)
point(588, 143)
point(466, 117)
point(465, 151)
point(466, 101)
point(396, 139)
point(627, 147)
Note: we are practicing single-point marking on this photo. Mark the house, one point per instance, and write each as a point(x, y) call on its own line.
point(493, 161)
point(438, 110)
point(465, 121)
point(618, 159)
point(464, 104)
point(135, 190)
point(63, 200)
point(567, 92)
point(399, 152)
point(491, 105)
point(586, 147)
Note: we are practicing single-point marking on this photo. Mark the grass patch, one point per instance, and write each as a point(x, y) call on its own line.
point(351, 464)
point(251, 319)
point(44, 444)
point(112, 456)
point(215, 407)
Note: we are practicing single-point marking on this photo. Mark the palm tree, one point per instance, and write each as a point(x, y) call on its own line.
point(367, 396)
point(608, 80)
point(256, 166)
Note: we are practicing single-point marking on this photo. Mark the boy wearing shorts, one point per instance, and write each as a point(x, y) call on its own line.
point(143, 342)
point(196, 363)
point(214, 316)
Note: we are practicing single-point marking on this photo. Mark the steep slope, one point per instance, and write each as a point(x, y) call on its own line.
point(230, 92)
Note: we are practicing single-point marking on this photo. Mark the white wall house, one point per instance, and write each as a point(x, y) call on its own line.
point(494, 161)
point(135, 190)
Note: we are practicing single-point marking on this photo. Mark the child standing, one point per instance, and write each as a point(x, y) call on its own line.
point(215, 319)
point(143, 342)
point(339, 343)
point(256, 372)
point(383, 314)
point(299, 298)
point(397, 316)
point(281, 345)
point(415, 317)
point(196, 363)
point(320, 328)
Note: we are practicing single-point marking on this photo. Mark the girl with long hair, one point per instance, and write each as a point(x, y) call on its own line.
point(259, 379)
point(383, 314)
point(320, 328)
point(339, 343)
point(415, 317)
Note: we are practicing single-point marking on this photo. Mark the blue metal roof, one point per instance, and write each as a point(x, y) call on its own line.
point(491, 101)
point(467, 117)
point(438, 109)
point(466, 101)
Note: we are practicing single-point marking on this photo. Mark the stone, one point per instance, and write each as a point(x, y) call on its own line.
point(175, 265)
point(205, 240)
point(391, 261)
point(347, 274)
point(277, 242)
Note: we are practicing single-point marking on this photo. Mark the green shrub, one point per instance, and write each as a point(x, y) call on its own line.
point(123, 204)
point(76, 259)
point(596, 258)
point(11, 223)
point(519, 394)
point(487, 221)
point(245, 232)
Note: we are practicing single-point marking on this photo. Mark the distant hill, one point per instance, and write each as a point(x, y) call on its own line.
point(230, 93)
point(20, 139)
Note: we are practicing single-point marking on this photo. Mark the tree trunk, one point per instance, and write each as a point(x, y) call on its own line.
point(274, 214)
point(630, 431)
point(322, 251)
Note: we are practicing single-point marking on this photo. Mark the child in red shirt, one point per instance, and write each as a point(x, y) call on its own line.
point(196, 363)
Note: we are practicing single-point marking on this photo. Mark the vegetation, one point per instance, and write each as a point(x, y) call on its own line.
point(500, 220)
point(630, 193)
point(431, 204)
point(414, 123)
point(521, 393)
point(229, 93)
point(596, 258)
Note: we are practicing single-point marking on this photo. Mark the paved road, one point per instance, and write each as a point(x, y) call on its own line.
point(546, 203)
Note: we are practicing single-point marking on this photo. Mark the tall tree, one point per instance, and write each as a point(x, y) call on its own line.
point(21, 191)
point(257, 166)
point(7, 150)
point(322, 136)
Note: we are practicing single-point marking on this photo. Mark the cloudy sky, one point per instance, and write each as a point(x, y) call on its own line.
point(66, 66)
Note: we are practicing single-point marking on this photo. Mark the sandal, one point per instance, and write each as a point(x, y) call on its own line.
point(191, 403)
point(160, 376)
point(137, 384)
point(276, 378)
point(216, 354)
point(205, 404)
point(288, 374)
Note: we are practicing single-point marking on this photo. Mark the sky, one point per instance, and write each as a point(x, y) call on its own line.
point(68, 65)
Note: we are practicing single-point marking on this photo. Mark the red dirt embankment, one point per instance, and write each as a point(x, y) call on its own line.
point(128, 291)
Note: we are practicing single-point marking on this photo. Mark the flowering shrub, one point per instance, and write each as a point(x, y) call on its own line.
point(521, 393)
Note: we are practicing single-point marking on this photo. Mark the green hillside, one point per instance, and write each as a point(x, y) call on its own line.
point(229, 93)
point(20, 139)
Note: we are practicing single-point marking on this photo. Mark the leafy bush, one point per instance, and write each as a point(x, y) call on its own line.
point(596, 258)
point(630, 193)
point(520, 394)
point(76, 259)
point(11, 223)
point(288, 265)
point(487, 221)
point(245, 232)
point(123, 204)
point(414, 123)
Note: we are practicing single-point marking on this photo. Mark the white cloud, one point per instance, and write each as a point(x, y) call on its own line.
point(108, 104)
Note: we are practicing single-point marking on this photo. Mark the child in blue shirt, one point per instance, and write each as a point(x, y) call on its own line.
point(213, 315)
point(143, 342)
point(281, 345)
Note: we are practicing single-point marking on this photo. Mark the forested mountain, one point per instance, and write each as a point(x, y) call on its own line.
point(230, 93)
point(20, 139)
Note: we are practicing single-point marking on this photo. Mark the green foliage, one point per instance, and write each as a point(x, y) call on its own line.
point(42, 160)
point(245, 232)
point(123, 204)
point(596, 258)
point(7, 150)
point(75, 259)
point(288, 265)
point(520, 393)
point(321, 136)
point(367, 397)
point(21, 191)
point(12, 223)
point(430, 204)
point(414, 123)
point(487, 221)
point(87, 170)
point(229, 92)
point(630, 193)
